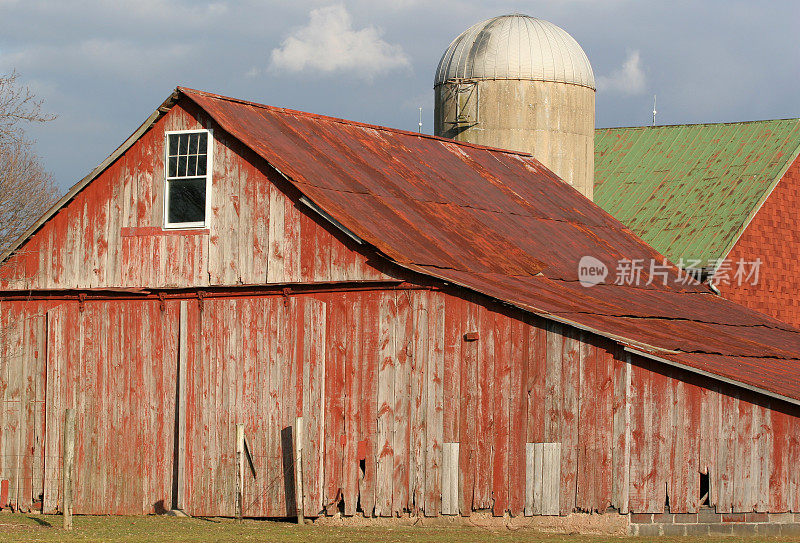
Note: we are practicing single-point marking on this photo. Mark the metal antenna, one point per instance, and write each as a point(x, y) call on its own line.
point(654, 110)
point(420, 120)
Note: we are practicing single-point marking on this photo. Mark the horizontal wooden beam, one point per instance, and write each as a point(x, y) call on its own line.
point(234, 291)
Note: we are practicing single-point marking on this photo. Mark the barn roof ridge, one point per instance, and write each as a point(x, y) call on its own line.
point(674, 125)
point(350, 122)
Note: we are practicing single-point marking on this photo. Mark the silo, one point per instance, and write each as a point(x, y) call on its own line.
point(520, 83)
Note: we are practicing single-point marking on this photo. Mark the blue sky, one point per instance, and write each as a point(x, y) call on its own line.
point(104, 66)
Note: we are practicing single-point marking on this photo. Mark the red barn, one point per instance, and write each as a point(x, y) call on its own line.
point(417, 300)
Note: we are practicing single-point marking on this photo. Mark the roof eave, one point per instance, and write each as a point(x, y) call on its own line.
point(714, 376)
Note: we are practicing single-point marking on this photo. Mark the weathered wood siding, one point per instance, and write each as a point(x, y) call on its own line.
point(383, 378)
point(111, 235)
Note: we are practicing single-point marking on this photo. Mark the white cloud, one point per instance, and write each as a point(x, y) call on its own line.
point(329, 43)
point(627, 79)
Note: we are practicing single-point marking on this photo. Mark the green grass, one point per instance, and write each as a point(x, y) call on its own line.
point(31, 528)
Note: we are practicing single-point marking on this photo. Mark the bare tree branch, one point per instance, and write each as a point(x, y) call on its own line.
point(26, 190)
point(18, 105)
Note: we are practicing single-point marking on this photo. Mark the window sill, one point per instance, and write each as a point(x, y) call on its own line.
point(131, 232)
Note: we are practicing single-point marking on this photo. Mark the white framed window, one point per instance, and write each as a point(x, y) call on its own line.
point(187, 174)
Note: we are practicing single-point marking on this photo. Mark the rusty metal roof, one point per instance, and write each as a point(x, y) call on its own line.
point(500, 223)
point(690, 190)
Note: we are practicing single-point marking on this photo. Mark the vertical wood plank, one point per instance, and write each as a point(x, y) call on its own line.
point(419, 423)
point(551, 478)
point(570, 382)
point(68, 461)
point(292, 236)
point(446, 479)
point(387, 355)
point(451, 378)
point(282, 404)
point(484, 413)
point(248, 219)
point(501, 407)
point(275, 265)
point(53, 408)
point(183, 357)
point(288, 397)
point(404, 346)
point(455, 322)
point(314, 404)
point(536, 385)
point(538, 478)
point(454, 478)
point(468, 431)
point(450, 478)
point(529, 477)
point(727, 463)
point(636, 453)
point(604, 417)
point(353, 360)
point(334, 392)
point(587, 483)
point(39, 375)
point(434, 408)
point(518, 415)
point(778, 498)
point(619, 420)
point(368, 407)
point(743, 452)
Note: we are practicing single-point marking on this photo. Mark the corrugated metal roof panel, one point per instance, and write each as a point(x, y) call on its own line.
point(690, 190)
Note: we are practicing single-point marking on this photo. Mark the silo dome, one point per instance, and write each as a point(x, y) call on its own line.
point(521, 83)
point(516, 47)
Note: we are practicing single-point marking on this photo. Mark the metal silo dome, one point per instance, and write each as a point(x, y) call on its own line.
point(515, 47)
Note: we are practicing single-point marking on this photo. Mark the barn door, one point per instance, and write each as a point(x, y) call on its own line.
point(113, 362)
point(22, 356)
point(258, 362)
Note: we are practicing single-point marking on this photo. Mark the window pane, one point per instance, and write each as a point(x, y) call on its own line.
point(187, 154)
point(173, 144)
point(187, 201)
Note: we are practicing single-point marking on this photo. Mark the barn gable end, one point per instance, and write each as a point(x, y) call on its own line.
point(111, 235)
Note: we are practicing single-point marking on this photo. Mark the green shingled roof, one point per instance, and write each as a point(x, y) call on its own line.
point(690, 190)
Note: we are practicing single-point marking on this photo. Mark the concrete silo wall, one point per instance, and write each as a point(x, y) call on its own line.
point(552, 121)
